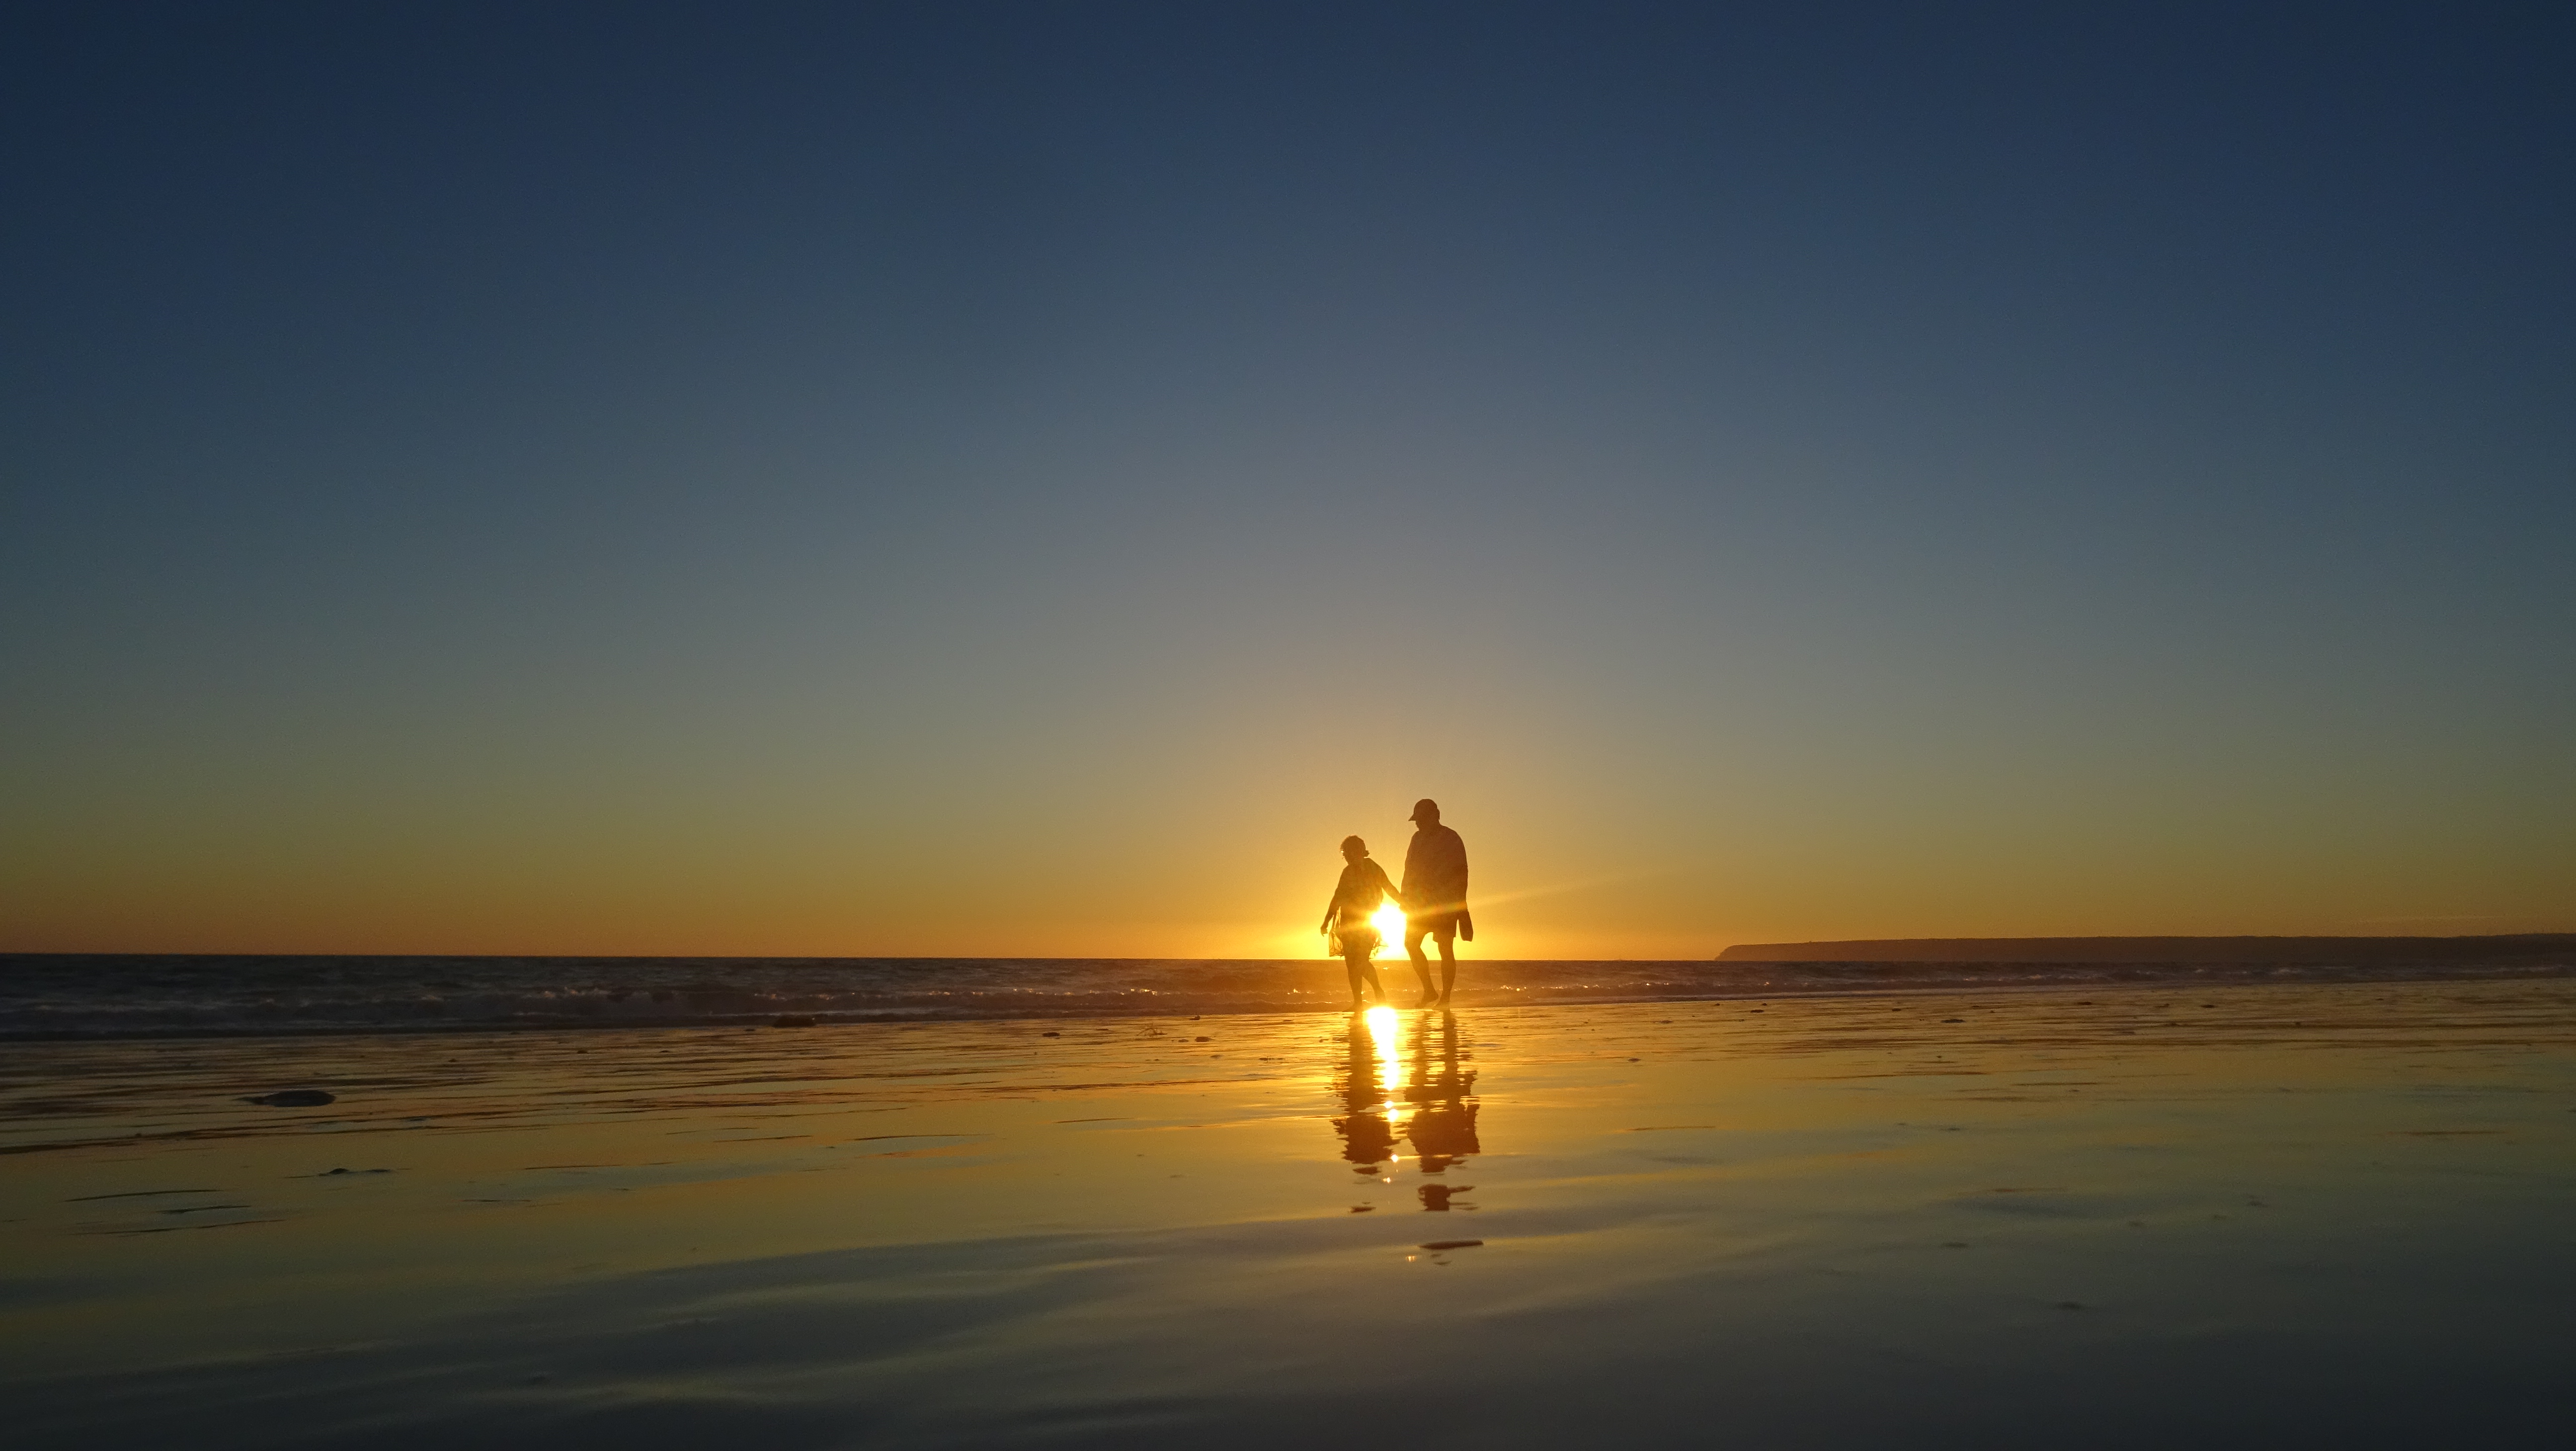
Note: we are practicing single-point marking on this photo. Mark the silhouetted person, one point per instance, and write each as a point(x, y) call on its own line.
point(1435, 898)
point(1356, 898)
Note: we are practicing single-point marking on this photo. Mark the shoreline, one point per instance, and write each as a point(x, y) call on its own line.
point(2017, 977)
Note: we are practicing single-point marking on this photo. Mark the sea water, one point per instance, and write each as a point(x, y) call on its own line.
point(109, 996)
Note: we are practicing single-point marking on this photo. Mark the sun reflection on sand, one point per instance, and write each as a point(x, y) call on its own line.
point(1382, 1023)
point(1370, 1112)
point(1401, 1082)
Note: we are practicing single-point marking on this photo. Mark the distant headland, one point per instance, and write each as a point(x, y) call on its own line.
point(2526, 947)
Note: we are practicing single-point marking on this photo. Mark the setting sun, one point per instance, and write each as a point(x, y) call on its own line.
point(1389, 922)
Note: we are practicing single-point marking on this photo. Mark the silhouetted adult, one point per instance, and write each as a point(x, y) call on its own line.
point(1356, 898)
point(1435, 898)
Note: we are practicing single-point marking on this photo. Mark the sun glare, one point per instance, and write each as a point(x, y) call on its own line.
point(1382, 1023)
point(1389, 922)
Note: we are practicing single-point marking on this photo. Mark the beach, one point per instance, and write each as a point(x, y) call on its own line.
point(2131, 1215)
point(711, 708)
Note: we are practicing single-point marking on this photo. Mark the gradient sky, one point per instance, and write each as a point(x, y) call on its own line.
point(1028, 479)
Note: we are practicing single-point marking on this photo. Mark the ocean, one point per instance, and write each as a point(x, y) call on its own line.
point(71, 996)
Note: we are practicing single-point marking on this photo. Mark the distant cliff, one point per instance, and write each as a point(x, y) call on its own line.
point(2530, 947)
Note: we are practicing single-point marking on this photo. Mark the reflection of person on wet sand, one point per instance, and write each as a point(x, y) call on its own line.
point(1356, 898)
point(1443, 1127)
point(1435, 898)
point(1368, 1140)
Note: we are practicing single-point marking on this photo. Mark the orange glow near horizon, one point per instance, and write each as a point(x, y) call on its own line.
point(779, 875)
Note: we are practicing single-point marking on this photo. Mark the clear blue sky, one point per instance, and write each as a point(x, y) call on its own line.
point(1030, 478)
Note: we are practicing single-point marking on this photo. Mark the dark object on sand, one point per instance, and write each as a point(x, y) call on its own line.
point(794, 1020)
point(294, 1098)
point(1453, 1244)
point(1050, 1035)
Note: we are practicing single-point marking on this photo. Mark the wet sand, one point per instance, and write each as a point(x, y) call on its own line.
point(2244, 1216)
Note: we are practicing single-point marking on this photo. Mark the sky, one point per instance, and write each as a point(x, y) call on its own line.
point(1028, 479)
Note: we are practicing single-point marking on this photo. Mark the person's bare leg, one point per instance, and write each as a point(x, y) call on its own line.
point(1448, 967)
point(1363, 970)
point(1421, 964)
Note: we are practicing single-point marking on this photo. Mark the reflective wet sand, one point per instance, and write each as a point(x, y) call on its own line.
point(2245, 1216)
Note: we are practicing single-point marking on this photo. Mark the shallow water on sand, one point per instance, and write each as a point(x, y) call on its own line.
point(2240, 1215)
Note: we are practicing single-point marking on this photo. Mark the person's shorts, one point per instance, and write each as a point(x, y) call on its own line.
point(1362, 940)
point(1439, 926)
